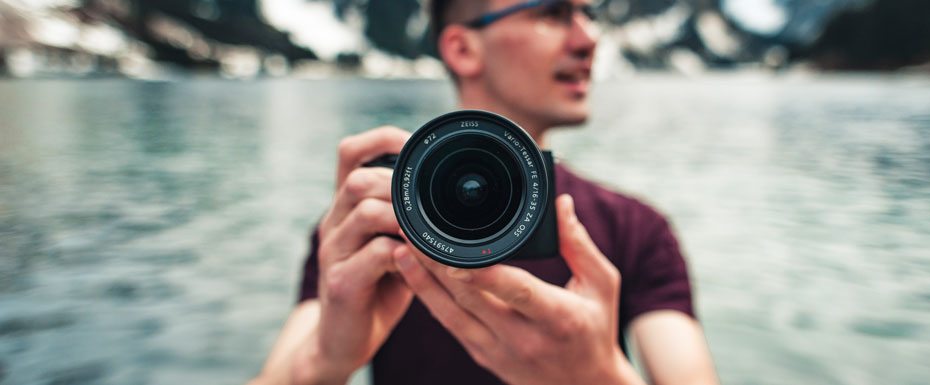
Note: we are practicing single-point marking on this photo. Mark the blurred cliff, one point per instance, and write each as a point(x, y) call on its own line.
point(246, 38)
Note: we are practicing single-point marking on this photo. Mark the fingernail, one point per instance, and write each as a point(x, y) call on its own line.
point(404, 261)
point(459, 274)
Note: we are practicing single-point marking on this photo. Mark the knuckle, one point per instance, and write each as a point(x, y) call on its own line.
point(369, 210)
point(382, 248)
point(336, 285)
point(382, 244)
point(464, 298)
point(521, 296)
point(416, 281)
point(357, 182)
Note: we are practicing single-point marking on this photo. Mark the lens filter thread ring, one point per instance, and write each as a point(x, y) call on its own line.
point(478, 126)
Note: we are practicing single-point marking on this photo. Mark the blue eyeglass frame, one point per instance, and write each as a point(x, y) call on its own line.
point(490, 17)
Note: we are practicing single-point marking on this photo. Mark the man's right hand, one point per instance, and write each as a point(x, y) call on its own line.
point(361, 296)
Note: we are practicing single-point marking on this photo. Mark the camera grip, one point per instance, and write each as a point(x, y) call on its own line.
point(386, 161)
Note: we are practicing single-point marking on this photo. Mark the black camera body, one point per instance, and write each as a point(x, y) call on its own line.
point(471, 189)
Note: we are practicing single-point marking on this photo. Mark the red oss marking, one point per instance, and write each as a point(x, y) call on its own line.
point(486, 251)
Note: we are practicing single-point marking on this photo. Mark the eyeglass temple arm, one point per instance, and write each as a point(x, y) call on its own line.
point(491, 17)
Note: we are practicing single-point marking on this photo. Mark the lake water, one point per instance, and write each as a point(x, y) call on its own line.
point(152, 233)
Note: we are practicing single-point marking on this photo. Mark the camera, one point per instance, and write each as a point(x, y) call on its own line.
point(471, 189)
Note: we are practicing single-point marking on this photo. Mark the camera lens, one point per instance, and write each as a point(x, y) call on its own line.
point(469, 188)
point(473, 191)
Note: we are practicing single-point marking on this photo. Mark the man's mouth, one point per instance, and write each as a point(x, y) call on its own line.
point(571, 77)
point(576, 79)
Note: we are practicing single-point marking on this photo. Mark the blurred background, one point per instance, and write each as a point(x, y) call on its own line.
point(162, 162)
point(377, 38)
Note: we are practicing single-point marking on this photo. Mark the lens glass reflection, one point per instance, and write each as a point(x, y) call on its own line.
point(472, 187)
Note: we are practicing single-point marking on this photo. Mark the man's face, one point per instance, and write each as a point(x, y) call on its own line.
point(538, 65)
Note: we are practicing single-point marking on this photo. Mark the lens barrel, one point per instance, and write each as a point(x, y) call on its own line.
point(470, 188)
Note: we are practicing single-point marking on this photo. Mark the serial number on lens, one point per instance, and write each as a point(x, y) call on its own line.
point(435, 243)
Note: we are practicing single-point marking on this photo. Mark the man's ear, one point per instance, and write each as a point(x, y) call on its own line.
point(461, 50)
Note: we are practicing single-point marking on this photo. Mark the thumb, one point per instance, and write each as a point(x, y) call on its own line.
point(590, 268)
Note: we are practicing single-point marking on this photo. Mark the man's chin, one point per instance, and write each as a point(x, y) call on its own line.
point(570, 117)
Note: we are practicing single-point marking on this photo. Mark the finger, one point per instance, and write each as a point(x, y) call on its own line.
point(357, 149)
point(494, 307)
point(370, 217)
point(489, 309)
point(517, 288)
point(590, 268)
point(464, 326)
point(359, 274)
point(393, 295)
point(361, 183)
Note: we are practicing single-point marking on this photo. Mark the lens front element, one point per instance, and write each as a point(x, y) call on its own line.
point(474, 189)
point(469, 188)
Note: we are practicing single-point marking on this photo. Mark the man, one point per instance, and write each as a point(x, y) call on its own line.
point(557, 321)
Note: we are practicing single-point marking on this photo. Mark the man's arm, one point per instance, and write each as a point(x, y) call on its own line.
point(298, 328)
point(361, 298)
point(673, 348)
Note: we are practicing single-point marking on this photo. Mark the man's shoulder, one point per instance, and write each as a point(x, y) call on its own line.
point(605, 203)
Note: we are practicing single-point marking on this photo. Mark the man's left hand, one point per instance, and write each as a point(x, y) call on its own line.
point(525, 330)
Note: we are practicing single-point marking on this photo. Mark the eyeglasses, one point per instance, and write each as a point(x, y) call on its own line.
point(560, 11)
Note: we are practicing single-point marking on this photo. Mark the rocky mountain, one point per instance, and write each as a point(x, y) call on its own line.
point(244, 38)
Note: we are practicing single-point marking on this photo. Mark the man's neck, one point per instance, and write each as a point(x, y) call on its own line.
point(535, 130)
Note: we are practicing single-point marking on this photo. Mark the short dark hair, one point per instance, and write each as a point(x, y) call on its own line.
point(445, 12)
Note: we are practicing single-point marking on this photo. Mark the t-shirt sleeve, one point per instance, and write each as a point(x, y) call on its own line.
point(659, 277)
point(311, 271)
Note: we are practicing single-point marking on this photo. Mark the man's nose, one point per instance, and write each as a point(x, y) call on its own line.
point(583, 35)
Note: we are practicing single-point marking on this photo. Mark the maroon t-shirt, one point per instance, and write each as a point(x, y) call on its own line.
point(632, 235)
